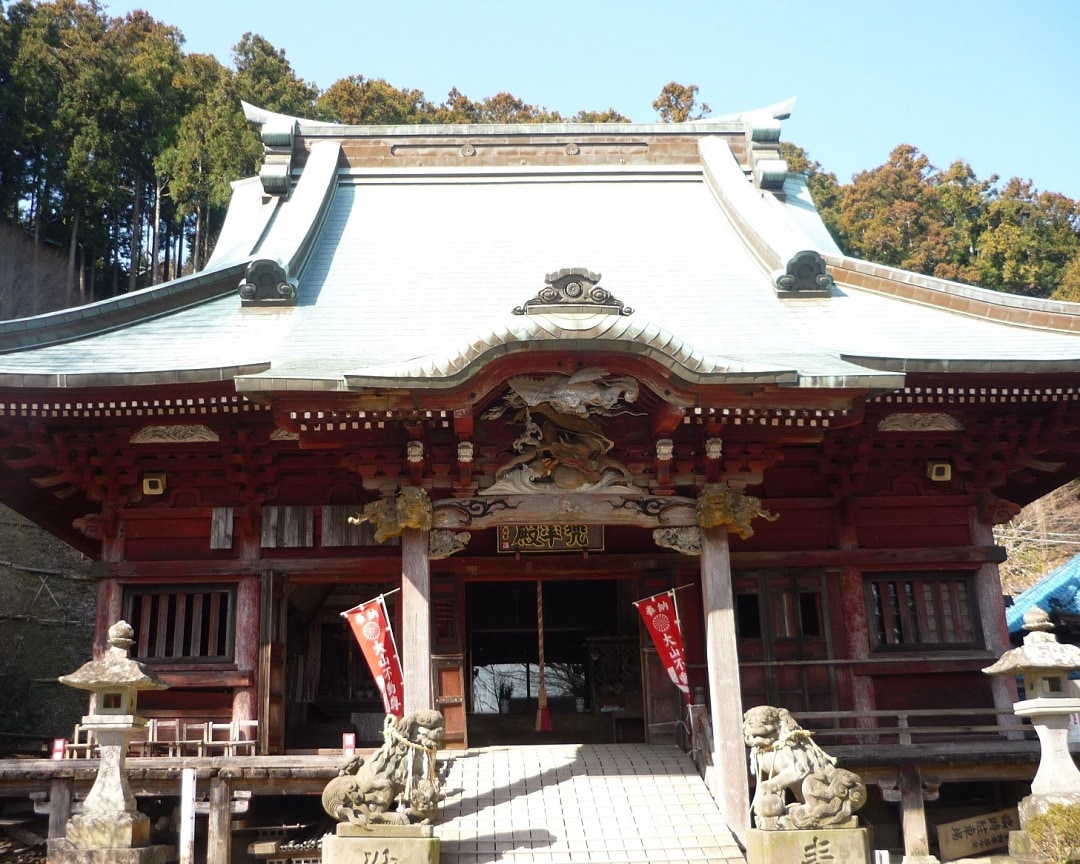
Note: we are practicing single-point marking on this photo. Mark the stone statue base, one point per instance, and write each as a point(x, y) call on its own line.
point(402, 844)
point(849, 845)
point(61, 851)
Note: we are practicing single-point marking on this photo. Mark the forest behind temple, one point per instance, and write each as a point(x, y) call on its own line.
point(117, 150)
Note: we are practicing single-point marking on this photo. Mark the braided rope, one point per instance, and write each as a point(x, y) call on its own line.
point(390, 733)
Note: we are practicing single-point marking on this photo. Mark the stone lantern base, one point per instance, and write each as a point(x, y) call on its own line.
point(126, 830)
point(1029, 807)
point(62, 851)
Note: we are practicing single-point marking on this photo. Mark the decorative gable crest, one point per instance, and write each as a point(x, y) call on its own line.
point(266, 284)
point(573, 289)
point(804, 276)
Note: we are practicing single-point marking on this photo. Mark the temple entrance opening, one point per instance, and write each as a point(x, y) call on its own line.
point(589, 646)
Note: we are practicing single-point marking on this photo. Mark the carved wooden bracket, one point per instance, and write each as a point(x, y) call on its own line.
point(718, 505)
point(410, 508)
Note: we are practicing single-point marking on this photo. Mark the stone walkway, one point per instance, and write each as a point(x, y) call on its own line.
point(563, 804)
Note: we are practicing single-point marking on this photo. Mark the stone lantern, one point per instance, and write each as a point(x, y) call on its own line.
point(1045, 665)
point(109, 819)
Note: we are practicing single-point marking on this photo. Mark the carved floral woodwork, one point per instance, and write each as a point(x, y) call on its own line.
point(992, 510)
point(685, 539)
point(443, 543)
point(911, 422)
point(176, 434)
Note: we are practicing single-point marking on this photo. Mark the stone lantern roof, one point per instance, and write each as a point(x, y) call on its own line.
point(1040, 651)
point(115, 670)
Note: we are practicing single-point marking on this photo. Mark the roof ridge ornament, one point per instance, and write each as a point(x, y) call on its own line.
point(573, 289)
point(804, 276)
point(266, 283)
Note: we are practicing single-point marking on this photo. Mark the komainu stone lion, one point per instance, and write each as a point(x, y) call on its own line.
point(784, 757)
point(398, 784)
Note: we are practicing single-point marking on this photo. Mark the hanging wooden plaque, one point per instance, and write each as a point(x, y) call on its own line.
point(551, 538)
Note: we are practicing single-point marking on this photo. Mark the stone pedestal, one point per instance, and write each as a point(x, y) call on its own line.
point(61, 851)
point(402, 844)
point(849, 845)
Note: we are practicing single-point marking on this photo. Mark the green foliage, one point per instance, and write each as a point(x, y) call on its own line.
point(109, 133)
point(357, 99)
point(824, 188)
point(1055, 833)
point(677, 103)
point(265, 78)
point(608, 116)
point(949, 224)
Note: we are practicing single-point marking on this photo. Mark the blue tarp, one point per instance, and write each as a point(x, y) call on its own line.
point(1058, 591)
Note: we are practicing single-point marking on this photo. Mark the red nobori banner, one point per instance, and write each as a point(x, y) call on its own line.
point(662, 621)
point(371, 626)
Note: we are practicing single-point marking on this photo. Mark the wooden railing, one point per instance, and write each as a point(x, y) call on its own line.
point(871, 729)
point(913, 726)
point(176, 737)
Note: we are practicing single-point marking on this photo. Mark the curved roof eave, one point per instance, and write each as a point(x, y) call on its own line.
point(104, 316)
point(955, 297)
point(150, 378)
point(1017, 366)
point(587, 334)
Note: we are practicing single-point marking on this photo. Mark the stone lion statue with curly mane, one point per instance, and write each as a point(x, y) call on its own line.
point(786, 760)
point(398, 783)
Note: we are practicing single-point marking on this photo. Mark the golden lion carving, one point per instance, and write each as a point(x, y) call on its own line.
point(411, 508)
point(785, 758)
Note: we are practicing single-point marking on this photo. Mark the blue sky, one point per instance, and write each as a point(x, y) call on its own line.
point(993, 82)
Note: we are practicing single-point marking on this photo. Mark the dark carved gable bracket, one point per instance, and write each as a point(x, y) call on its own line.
point(573, 289)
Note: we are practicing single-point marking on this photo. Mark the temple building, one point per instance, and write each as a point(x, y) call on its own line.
point(514, 379)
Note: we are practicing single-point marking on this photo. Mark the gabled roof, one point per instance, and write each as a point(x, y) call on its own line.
point(395, 257)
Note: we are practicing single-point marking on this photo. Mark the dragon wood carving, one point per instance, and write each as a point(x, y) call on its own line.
point(563, 447)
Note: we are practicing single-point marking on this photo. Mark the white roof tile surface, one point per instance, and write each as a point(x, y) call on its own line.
point(415, 273)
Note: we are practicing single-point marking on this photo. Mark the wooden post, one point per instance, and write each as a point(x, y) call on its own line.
point(991, 604)
point(248, 603)
point(219, 831)
point(187, 816)
point(416, 619)
point(725, 695)
point(913, 818)
point(60, 792)
point(852, 603)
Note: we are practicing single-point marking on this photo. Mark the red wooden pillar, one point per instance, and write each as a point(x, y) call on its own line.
point(853, 621)
point(725, 695)
point(246, 699)
point(991, 604)
point(110, 609)
point(416, 619)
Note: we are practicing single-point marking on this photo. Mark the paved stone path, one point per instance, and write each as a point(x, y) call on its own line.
point(563, 804)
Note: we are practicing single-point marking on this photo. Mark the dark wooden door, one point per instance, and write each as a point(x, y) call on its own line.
point(785, 646)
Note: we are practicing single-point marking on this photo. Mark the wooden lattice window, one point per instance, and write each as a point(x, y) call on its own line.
point(922, 611)
point(188, 624)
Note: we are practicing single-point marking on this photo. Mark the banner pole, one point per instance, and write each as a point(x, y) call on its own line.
point(372, 600)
